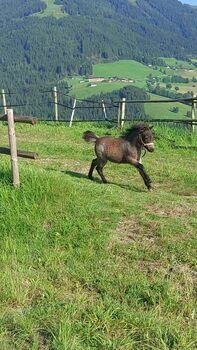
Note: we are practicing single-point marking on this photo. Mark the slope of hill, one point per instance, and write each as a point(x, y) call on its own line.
point(92, 266)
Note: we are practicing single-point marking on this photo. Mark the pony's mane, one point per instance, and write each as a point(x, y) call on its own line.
point(130, 133)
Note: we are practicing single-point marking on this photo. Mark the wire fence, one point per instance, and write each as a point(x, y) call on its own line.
point(101, 110)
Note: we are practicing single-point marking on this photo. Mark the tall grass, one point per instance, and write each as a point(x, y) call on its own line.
point(92, 266)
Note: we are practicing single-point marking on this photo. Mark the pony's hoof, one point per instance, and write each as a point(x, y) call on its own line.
point(150, 189)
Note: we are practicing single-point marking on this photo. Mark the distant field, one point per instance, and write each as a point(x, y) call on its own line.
point(84, 90)
point(184, 88)
point(162, 110)
point(154, 110)
point(187, 73)
point(81, 88)
point(52, 10)
point(124, 69)
point(173, 62)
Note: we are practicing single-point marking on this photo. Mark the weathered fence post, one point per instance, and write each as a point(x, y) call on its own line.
point(73, 112)
point(55, 102)
point(123, 112)
point(13, 149)
point(193, 113)
point(104, 109)
point(4, 101)
point(119, 113)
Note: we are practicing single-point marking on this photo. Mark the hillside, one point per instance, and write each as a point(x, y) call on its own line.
point(42, 41)
point(88, 266)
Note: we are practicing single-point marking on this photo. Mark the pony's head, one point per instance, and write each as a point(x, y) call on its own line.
point(146, 138)
point(142, 133)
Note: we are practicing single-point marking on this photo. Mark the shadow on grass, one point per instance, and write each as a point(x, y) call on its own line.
point(83, 176)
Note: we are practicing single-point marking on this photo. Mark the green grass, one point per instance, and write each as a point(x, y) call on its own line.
point(90, 266)
point(173, 62)
point(124, 69)
point(183, 73)
point(163, 110)
point(52, 10)
point(138, 73)
point(84, 90)
point(184, 88)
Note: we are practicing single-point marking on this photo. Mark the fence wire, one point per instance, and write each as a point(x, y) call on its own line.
point(103, 108)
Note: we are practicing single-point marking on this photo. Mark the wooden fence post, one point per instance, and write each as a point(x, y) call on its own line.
point(13, 149)
point(104, 109)
point(4, 101)
point(73, 112)
point(123, 112)
point(55, 102)
point(193, 113)
point(119, 113)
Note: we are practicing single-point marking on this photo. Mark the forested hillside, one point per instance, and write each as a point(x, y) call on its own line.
point(37, 51)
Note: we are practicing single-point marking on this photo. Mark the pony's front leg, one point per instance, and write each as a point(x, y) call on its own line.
point(144, 175)
point(146, 178)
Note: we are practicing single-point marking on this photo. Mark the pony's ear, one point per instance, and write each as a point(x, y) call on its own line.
point(143, 129)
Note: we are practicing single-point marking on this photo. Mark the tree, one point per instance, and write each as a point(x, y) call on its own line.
point(174, 109)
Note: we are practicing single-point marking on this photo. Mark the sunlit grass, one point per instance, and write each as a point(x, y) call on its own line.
point(173, 62)
point(52, 10)
point(125, 69)
point(92, 266)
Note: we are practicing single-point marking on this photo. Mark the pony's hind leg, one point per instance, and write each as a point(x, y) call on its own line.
point(99, 169)
point(93, 165)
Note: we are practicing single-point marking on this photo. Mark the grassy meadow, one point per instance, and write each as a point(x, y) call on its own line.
point(52, 9)
point(137, 73)
point(90, 266)
point(81, 88)
point(179, 64)
point(164, 110)
point(124, 68)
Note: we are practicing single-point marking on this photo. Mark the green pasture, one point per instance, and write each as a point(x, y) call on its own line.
point(84, 90)
point(163, 110)
point(81, 88)
point(87, 266)
point(52, 10)
point(185, 73)
point(179, 64)
point(183, 88)
point(124, 69)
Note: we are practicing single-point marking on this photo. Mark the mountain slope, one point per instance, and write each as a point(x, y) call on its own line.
point(36, 50)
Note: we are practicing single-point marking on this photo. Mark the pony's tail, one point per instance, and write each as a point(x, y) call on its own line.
point(89, 136)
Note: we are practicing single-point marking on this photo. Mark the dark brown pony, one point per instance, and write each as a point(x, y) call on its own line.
point(125, 149)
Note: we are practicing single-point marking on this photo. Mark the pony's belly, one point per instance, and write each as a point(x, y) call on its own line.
point(116, 158)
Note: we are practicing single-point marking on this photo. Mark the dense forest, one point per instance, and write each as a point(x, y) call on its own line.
point(36, 52)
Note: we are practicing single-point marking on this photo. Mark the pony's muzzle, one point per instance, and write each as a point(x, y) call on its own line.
point(149, 146)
